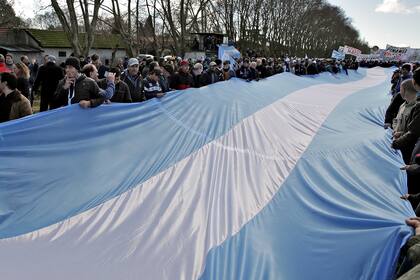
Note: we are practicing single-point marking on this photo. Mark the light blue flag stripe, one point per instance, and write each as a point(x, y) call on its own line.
point(338, 215)
point(58, 164)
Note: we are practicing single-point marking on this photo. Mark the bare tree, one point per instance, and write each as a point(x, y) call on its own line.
point(270, 27)
point(180, 18)
point(74, 12)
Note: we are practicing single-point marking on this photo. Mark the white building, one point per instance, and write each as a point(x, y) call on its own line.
point(36, 43)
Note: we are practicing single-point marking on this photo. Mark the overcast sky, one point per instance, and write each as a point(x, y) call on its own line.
point(380, 22)
point(383, 22)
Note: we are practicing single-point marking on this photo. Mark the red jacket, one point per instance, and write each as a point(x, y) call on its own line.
point(181, 80)
point(3, 68)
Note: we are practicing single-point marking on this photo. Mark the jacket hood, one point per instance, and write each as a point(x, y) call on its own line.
point(81, 78)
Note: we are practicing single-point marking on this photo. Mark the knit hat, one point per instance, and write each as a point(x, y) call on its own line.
point(51, 58)
point(72, 61)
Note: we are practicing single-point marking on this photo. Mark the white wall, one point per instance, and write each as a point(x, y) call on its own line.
point(103, 53)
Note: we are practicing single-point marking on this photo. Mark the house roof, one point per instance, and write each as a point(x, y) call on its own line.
point(20, 48)
point(58, 39)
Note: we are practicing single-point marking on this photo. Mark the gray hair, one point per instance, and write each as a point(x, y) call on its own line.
point(408, 87)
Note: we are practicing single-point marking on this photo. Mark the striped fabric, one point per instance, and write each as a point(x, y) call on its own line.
point(286, 178)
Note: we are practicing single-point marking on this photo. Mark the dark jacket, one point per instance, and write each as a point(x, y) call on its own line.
point(413, 176)
point(243, 72)
point(262, 71)
point(121, 91)
point(23, 86)
point(14, 106)
point(416, 164)
point(246, 73)
point(198, 81)
point(312, 69)
point(101, 71)
point(211, 77)
point(411, 259)
point(181, 80)
point(134, 84)
point(150, 88)
point(164, 83)
point(48, 77)
point(254, 74)
point(393, 108)
point(83, 89)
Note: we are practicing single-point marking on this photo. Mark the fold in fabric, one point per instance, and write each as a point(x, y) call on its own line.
point(232, 181)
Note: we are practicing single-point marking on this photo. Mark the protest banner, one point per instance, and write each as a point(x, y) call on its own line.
point(396, 53)
point(369, 57)
point(351, 51)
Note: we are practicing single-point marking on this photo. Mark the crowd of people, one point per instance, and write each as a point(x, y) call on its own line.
point(403, 118)
point(90, 83)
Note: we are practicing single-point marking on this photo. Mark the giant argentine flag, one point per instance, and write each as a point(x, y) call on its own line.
point(286, 178)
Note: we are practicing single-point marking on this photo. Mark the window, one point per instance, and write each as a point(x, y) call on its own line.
point(62, 54)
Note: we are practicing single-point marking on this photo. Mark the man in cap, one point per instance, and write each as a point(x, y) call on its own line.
point(132, 77)
point(47, 78)
point(182, 79)
point(77, 88)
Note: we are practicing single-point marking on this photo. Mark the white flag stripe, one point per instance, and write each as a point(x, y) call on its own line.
point(164, 228)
